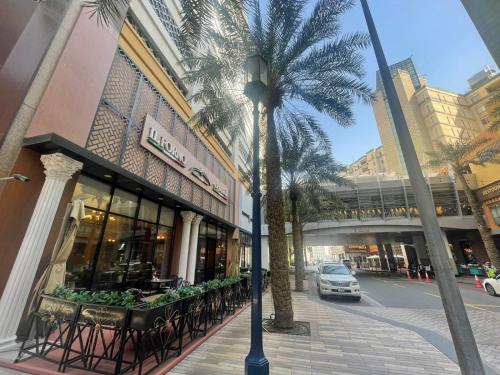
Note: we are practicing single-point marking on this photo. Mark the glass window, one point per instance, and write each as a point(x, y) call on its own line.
point(202, 254)
point(124, 203)
point(148, 211)
point(114, 253)
point(167, 216)
point(161, 257)
point(81, 261)
point(93, 193)
point(495, 211)
point(220, 253)
point(140, 268)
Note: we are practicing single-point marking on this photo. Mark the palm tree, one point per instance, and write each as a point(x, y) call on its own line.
point(311, 66)
point(459, 155)
point(305, 165)
point(309, 61)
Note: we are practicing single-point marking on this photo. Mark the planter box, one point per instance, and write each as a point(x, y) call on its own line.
point(103, 315)
point(144, 319)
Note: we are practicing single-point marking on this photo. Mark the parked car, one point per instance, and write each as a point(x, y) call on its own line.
point(492, 286)
point(335, 279)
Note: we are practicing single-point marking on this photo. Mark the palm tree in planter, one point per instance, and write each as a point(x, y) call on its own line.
point(458, 156)
point(306, 164)
point(310, 65)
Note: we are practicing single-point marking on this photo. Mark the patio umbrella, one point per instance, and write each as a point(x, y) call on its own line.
point(56, 270)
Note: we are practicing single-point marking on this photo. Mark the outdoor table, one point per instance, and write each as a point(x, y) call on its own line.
point(157, 283)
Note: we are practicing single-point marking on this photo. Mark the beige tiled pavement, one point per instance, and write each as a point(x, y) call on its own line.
point(340, 343)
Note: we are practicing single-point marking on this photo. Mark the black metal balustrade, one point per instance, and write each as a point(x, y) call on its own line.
point(115, 340)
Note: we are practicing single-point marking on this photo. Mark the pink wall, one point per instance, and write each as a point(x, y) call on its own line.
point(70, 101)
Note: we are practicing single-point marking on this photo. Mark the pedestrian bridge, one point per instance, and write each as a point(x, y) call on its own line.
point(322, 233)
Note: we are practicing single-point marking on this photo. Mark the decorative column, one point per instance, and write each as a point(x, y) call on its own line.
point(193, 248)
point(58, 170)
point(187, 218)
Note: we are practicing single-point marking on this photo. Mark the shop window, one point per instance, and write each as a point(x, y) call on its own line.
point(92, 193)
point(124, 203)
point(140, 267)
point(163, 250)
point(167, 216)
point(80, 263)
point(148, 211)
point(220, 253)
point(202, 253)
point(495, 212)
point(114, 253)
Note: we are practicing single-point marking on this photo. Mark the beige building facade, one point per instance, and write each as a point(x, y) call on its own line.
point(371, 163)
point(433, 114)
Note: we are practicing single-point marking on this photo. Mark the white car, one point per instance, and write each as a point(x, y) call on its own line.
point(492, 286)
point(335, 279)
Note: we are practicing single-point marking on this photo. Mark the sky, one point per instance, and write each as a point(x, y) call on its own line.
point(437, 34)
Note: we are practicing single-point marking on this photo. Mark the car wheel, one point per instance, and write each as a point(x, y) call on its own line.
point(357, 298)
point(490, 290)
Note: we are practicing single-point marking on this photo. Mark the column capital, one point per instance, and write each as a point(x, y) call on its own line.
point(197, 220)
point(188, 216)
point(59, 166)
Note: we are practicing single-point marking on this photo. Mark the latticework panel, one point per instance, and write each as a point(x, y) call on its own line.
point(186, 189)
point(134, 156)
point(156, 171)
point(107, 134)
point(173, 181)
point(165, 115)
point(179, 130)
point(214, 207)
point(145, 103)
point(191, 142)
point(122, 84)
point(206, 201)
point(197, 196)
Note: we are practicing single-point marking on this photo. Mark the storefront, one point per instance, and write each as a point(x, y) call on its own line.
point(489, 196)
point(124, 241)
point(112, 130)
point(245, 251)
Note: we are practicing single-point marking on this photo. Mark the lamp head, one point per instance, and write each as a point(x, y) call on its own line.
point(256, 76)
point(20, 177)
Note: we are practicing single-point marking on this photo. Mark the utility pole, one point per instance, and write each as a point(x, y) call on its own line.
point(458, 322)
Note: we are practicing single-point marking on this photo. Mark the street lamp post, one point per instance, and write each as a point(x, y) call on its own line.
point(255, 87)
point(458, 322)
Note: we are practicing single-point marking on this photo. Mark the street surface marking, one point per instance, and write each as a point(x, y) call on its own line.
point(434, 295)
point(477, 304)
point(401, 286)
point(473, 306)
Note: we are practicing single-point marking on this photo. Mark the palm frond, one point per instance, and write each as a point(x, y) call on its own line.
point(106, 11)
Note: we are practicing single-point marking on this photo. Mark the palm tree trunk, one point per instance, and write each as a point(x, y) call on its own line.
point(278, 248)
point(298, 252)
point(483, 229)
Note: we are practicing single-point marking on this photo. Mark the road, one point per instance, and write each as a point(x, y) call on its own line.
point(400, 292)
point(417, 306)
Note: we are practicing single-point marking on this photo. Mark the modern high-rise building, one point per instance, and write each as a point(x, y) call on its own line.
point(433, 114)
point(486, 17)
point(371, 163)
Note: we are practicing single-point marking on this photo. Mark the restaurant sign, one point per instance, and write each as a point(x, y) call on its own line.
point(157, 140)
point(489, 192)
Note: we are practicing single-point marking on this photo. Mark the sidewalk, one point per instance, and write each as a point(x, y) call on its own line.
point(340, 343)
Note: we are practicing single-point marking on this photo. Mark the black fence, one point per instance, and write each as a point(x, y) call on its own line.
point(115, 340)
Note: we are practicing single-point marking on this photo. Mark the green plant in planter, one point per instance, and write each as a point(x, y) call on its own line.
point(212, 284)
point(111, 298)
point(231, 280)
point(189, 291)
point(168, 297)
